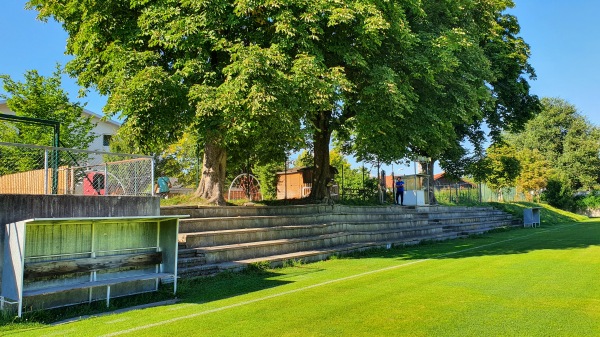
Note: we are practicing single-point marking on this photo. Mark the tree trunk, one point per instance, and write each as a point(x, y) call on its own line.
point(427, 167)
point(211, 185)
point(322, 173)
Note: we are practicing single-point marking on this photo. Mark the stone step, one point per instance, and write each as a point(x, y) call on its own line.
point(200, 270)
point(236, 236)
point(477, 225)
point(249, 250)
point(188, 262)
point(323, 253)
point(230, 223)
point(453, 214)
point(429, 209)
point(468, 219)
point(245, 211)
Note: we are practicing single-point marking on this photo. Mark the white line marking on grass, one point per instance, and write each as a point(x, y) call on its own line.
point(182, 306)
point(176, 319)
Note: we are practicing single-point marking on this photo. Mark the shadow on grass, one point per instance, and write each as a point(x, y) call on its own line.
point(226, 285)
point(192, 290)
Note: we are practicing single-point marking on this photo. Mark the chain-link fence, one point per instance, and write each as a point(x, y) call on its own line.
point(33, 169)
point(460, 193)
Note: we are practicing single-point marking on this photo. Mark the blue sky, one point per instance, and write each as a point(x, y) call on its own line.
point(563, 36)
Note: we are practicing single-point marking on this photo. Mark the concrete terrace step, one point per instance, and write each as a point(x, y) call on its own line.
point(243, 211)
point(190, 262)
point(322, 254)
point(467, 219)
point(461, 227)
point(235, 236)
point(229, 238)
point(248, 250)
point(463, 214)
point(442, 209)
point(192, 225)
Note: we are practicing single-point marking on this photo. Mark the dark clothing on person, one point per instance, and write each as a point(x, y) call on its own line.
point(400, 191)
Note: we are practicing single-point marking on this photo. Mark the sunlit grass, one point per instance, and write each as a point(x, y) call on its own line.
point(523, 282)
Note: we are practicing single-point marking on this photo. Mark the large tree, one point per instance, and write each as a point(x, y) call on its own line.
point(257, 72)
point(496, 95)
point(566, 140)
point(210, 68)
point(499, 168)
point(465, 66)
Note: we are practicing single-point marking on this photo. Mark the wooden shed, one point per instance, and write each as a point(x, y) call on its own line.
point(294, 183)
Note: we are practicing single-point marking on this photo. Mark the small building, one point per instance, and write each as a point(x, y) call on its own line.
point(296, 183)
point(411, 181)
point(440, 181)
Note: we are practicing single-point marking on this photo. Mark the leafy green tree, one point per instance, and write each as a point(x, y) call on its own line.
point(468, 71)
point(41, 97)
point(535, 173)
point(501, 167)
point(567, 141)
point(305, 158)
point(559, 195)
point(267, 176)
point(218, 69)
point(254, 71)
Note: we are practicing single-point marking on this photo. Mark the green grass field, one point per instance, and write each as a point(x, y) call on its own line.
point(523, 282)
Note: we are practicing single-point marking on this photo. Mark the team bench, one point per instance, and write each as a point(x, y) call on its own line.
point(49, 257)
point(63, 268)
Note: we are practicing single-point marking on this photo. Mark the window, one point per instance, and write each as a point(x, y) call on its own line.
point(106, 140)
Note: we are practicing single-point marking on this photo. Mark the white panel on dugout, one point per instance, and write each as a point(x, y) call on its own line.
point(414, 198)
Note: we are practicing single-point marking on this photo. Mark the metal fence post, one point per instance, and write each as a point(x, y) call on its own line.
point(152, 176)
point(46, 172)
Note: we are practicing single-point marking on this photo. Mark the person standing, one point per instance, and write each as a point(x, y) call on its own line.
point(163, 187)
point(400, 191)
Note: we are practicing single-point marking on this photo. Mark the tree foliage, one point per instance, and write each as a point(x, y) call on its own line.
point(500, 167)
point(567, 141)
point(384, 76)
point(535, 173)
point(42, 98)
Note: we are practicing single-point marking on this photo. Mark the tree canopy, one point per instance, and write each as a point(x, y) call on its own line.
point(566, 140)
point(386, 77)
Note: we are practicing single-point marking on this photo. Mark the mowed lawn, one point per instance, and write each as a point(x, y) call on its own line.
point(524, 282)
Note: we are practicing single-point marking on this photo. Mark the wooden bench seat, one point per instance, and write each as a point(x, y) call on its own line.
point(34, 271)
point(92, 284)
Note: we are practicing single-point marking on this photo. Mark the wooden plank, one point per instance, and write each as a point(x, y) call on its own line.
point(64, 267)
point(85, 285)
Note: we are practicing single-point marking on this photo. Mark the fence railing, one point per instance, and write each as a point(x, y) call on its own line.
point(33, 169)
point(333, 191)
point(466, 192)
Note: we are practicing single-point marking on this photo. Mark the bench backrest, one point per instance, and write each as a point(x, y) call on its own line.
point(63, 267)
